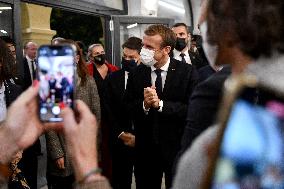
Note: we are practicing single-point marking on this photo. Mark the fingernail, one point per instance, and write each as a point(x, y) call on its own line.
point(35, 83)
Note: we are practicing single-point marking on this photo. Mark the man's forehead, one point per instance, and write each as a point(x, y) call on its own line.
point(152, 38)
point(179, 29)
point(130, 52)
point(31, 44)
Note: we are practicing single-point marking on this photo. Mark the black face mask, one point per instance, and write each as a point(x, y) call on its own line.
point(180, 44)
point(100, 59)
point(128, 65)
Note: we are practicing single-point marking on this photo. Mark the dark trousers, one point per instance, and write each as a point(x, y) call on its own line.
point(57, 182)
point(29, 165)
point(150, 166)
point(122, 166)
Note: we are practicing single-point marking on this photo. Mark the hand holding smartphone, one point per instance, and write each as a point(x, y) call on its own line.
point(56, 70)
point(249, 149)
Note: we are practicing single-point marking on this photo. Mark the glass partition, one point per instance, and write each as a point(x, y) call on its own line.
point(129, 26)
point(6, 19)
point(115, 4)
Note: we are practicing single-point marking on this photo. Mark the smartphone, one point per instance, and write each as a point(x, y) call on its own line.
point(55, 71)
point(249, 151)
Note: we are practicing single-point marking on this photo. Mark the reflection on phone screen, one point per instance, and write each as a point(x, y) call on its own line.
point(56, 75)
point(252, 149)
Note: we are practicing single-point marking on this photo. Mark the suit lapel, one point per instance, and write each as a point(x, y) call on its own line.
point(171, 74)
point(147, 77)
point(121, 82)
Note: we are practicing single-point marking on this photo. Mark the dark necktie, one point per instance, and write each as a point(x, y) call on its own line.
point(158, 82)
point(33, 69)
point(182, 57)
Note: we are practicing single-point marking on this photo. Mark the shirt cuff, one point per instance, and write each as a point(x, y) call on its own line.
point(146, 111)
point(161, 104)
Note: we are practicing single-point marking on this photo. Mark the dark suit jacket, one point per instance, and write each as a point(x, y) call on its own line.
point(205, 72)
point(160, 129)
point(115, 90)
point(203, 106)
point(27, 75)
point(197, 60)
point(12, 91)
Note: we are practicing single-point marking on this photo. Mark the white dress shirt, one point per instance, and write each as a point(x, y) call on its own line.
point(126, 78)
point(178, 57)
point(30, 66)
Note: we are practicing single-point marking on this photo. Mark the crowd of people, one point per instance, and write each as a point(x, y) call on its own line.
point(153, 117)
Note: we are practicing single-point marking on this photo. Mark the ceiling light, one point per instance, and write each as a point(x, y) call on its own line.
point(0, 12)
point(3, 31)
point(172, 7)
point(132, 26)
point(5, 8)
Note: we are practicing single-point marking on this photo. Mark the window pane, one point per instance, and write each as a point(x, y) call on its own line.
point(6, 17)
point(178, 10)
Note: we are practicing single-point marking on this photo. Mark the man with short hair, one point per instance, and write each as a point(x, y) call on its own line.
point(123, 137)
point(182, 51)
point(29, 162)
point(30, 50)
point(157, 96)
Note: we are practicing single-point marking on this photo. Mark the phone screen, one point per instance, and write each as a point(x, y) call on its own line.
point(56, 76)
point(251, 154)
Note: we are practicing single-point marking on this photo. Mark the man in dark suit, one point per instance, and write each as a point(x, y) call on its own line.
point(157, 96)
point(29, 162)
point(181, 51)
point(123, 137)
point(29, 62)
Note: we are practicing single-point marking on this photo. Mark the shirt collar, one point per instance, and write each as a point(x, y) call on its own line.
point(164, 67)
point(29, 59)
point(177, 53)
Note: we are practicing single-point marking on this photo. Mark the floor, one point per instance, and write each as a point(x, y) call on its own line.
point(42, 169)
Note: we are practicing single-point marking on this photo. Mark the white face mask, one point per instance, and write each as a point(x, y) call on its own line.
point(147, 57)
point(209, 50)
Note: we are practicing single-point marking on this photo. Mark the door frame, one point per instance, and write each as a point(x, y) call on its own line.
point(117, 20)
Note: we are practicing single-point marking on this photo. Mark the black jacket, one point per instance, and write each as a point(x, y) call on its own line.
point(115, 91)
point(163, 129)
point(12, 91)
point(27, 81)
point(203, 106)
